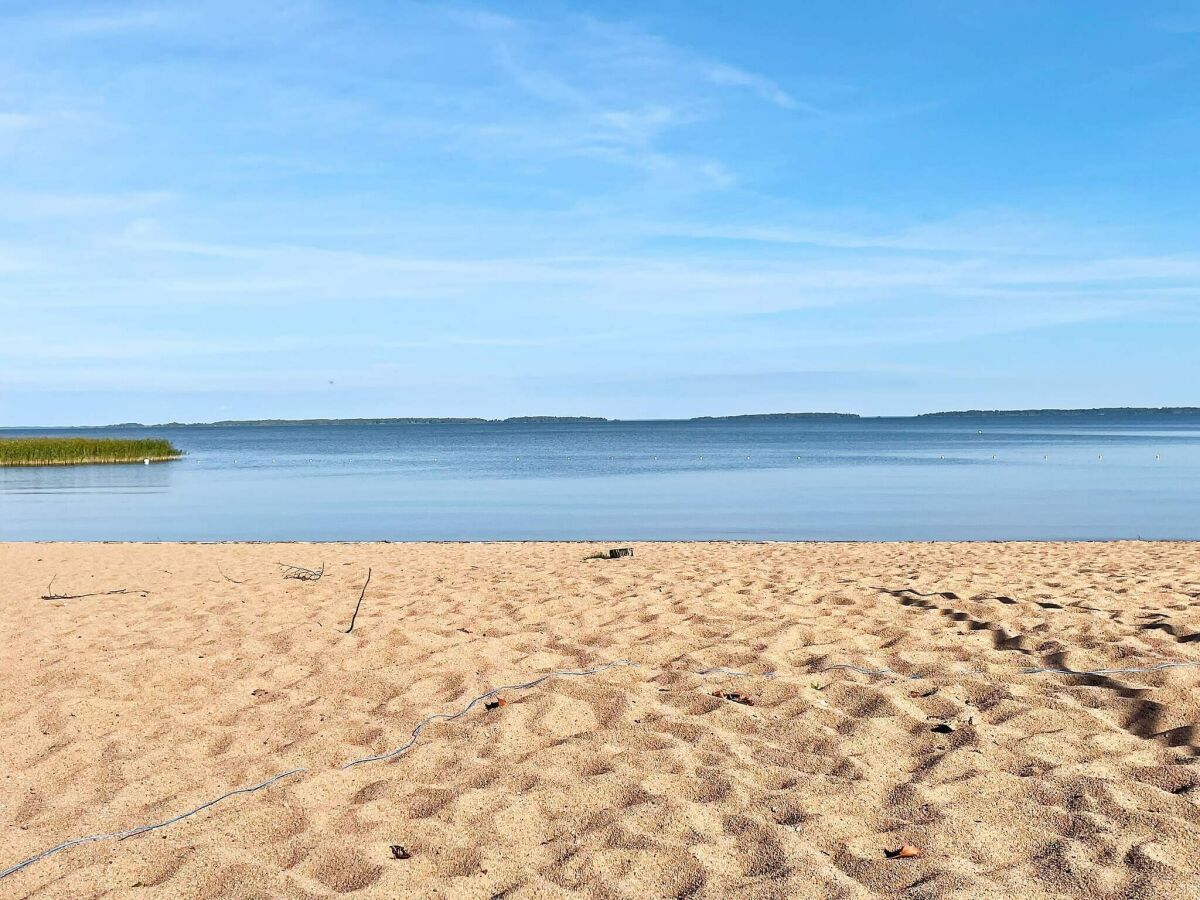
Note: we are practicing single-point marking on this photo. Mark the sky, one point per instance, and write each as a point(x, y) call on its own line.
point(295, 208)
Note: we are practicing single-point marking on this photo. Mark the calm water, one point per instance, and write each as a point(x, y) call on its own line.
point(878, 479)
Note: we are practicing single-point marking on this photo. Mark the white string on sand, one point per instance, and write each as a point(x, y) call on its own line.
point(884, 673)
point(1031, 670)
point(721, 670)
point(450, 717)
point(482, 698)
point(142, 829)
point(1156, 668)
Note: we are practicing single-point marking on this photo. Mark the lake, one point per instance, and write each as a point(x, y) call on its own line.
point(969, 478)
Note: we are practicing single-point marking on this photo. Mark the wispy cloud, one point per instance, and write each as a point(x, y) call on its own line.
point(25, 205)
point(1181, 23)
point(112, 23)
point(144, 265)
point(13, 121)
point(731, 76)
point(14, 260)
point(612, 91)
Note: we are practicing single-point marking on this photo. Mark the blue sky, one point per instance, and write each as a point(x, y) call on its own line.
point(291, 209)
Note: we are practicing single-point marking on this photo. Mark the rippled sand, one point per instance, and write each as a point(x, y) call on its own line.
point(644, 780)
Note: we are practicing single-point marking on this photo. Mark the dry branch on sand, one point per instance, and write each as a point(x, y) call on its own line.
point(361, 594)
point(302, 574)
point(50, 595)
point(226, 577)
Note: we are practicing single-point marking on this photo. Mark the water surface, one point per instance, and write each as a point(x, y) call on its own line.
point(1069, 477)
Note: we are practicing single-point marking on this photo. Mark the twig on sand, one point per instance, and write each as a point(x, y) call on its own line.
point(226, 577)
point(358, 605)
point(50, 595)
point(302, 574)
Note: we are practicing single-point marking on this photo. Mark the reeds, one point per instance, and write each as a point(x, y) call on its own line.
point(54, 451)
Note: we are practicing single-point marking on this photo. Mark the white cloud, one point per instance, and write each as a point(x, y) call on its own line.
point(13, 121)
point(608, 91)
point(25, 205)
point(337, 193)
point(14, 260)
point(134, 20)
point(145, 265)
point(719, 73)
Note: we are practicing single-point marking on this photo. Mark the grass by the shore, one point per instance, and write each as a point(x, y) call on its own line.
point(51, 451)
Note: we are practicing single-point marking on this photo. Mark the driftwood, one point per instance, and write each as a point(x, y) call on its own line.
point(50, 595)
point(302, 574)
point(615, 553)
point(358, 605)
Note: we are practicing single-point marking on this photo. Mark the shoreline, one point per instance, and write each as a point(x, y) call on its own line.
point(1104, 412)
point(752, 542)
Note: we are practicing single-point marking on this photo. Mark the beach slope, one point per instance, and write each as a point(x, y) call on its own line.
point(750, 720)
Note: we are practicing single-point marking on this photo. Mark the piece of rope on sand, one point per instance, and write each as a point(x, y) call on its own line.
point(721, 670)
point(483, 698)
point(1160, 667)
point(142, 829)
point(275, 779)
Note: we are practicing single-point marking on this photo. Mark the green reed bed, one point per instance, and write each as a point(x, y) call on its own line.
point(53, 451)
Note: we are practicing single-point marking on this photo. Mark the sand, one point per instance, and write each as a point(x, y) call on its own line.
point(636, 781)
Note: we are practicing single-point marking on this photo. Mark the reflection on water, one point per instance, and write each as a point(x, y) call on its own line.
point(1098, 477)
point(99, 479)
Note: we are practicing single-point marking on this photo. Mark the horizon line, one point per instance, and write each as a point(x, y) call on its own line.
point(579, 419)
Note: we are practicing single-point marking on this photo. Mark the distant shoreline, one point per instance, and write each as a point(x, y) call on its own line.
point(569, 420)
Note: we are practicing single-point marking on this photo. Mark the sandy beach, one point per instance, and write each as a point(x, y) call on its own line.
point(889, 695)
